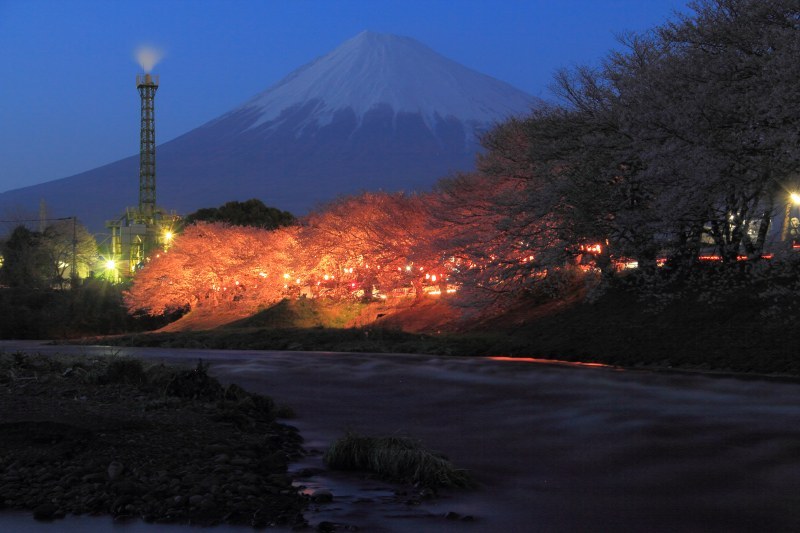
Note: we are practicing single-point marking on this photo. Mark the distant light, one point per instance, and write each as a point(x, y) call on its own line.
point(168, 236)
point(795, 197)
point(111, 264)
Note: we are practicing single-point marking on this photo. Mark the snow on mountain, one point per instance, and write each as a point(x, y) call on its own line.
point(373, 69)
point(378, 112)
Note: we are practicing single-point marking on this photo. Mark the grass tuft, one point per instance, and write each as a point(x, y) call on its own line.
point(124, 370)
point(398, 459)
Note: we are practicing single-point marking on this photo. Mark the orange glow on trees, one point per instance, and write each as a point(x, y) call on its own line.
point(379, 241)
point(212, 264)
point(368, 246)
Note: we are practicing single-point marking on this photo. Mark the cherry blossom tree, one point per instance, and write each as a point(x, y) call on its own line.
point(213, 264)
point(377, 241)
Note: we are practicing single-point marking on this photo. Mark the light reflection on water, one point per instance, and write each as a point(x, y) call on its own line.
point(550, 362)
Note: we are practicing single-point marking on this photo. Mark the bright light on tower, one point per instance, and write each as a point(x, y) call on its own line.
point(111, 264)
point(168, 235)
point(795, 198)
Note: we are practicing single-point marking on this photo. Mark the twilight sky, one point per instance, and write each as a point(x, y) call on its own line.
point(68, 101)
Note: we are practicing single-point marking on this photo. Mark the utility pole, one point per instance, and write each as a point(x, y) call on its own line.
point(73, 277)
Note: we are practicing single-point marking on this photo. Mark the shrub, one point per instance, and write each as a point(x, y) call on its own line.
point(195, 384)
point(124, 370)
point(397, 459)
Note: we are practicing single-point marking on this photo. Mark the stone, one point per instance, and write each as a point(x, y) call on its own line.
point(322, 496)
point(115, 470)
point(427, 494)
point(45, 511)
point(126, 487)
point(96, 477)
point(120, 503)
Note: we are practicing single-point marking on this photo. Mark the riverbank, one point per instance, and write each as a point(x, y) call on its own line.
point(619, 329)
point(164, 444)
point(552, 447)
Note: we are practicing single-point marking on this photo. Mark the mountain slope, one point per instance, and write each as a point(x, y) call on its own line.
point(372, 70)
point(378, 112)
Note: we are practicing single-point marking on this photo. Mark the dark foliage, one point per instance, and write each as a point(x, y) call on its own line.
point(124, 370)
point(251, 212)
point(195, 384)
point(94, 308)
point(24, 260)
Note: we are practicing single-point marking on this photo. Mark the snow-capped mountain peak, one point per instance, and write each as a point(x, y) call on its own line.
point(374, 69)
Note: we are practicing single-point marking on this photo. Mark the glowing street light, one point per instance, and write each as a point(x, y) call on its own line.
point(794, 199)
point(111, 270)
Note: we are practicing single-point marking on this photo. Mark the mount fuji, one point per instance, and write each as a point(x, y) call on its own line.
point(378, 112)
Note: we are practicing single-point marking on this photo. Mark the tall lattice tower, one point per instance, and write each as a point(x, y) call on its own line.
point(147, 86)
point(143, 231)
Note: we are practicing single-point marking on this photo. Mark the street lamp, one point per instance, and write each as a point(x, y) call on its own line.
point(794, 199)
point(111, 270)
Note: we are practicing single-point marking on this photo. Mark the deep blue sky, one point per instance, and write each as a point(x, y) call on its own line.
point(68, 100)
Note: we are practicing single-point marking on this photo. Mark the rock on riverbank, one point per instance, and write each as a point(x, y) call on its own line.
point(112, 436)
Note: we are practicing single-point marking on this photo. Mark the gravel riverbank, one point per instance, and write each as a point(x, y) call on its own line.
point(120, 437)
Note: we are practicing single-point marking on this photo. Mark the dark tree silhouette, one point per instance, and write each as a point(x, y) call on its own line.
point(251, 212)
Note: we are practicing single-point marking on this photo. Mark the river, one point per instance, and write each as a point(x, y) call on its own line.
point(554, 447)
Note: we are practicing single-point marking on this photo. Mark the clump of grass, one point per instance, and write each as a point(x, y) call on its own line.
point(124, 370)
point(398, 459)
